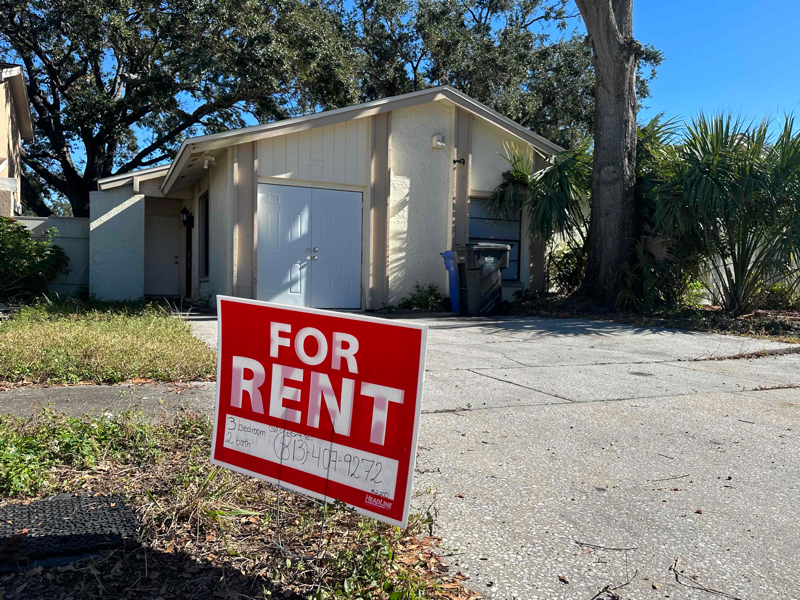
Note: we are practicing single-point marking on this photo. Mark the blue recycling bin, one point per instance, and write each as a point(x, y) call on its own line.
point(450, 264)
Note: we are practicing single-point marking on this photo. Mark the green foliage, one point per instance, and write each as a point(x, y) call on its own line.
point(732, 191)
point(423, 298)
point(124, 82)
point(553, 190)
point(782, 296)
point(566, 266)
point(369, 570)
point(664, 268)
point(30, 449)
point(496, 52)
point(654, 278)
point(194, 513)
point(71, 342)
point(27, 265)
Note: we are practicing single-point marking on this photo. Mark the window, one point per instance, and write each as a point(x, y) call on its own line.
point(486, 226)
point(203, 217)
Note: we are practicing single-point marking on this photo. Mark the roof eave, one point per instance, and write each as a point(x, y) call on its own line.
point(22, 107)
point(132, 177)
point(257, 132)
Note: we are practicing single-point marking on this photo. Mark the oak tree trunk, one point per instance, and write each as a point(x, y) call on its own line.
point(613, 222)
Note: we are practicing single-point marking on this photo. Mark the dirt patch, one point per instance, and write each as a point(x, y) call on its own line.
point(208, 532)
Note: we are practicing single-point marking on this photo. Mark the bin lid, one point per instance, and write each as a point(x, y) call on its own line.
point(482, 246)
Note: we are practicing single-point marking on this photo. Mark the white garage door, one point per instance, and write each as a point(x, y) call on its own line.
point(309, 246)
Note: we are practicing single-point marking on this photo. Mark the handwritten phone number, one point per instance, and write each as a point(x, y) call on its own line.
point(297, 448)
point(289, 450)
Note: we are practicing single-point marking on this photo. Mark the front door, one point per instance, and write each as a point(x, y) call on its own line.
point(162, 250)
point(309, 246)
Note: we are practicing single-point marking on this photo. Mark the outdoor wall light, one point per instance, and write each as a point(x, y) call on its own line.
point(187, 218)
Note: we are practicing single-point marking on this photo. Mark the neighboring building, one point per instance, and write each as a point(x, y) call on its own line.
point(15, 125)
point(347, 208)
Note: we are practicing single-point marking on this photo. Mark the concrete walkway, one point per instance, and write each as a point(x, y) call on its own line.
point(563, 456)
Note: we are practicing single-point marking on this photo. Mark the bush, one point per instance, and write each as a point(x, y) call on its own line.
point(27, 265)
point(781, 296)
point(566, 266)
point(732, 190)
point(423, 298)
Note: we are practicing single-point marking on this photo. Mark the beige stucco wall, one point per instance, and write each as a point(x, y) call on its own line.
point(488, 156)
point(116, 244)
point(421, 190)
point(488, 163)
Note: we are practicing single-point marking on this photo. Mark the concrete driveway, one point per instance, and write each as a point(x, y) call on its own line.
point(564, 456)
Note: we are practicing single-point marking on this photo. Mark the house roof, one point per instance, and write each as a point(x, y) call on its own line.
point(179, 173)
point(15, 76)
point(132, 177)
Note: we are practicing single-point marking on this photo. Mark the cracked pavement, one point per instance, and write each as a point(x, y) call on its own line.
point(564, 456)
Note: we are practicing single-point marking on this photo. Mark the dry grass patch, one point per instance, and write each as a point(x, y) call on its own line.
point(72, 342)
point(206, 532)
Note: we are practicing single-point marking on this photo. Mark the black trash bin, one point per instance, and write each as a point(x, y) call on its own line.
point(480, 277)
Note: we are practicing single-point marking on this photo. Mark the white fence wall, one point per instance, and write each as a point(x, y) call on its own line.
point(73, 237)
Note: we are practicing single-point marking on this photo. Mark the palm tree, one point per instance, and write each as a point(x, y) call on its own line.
point(734, 190)
point(554, 196)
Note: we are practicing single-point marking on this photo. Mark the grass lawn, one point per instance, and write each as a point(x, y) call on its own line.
point(206, 532)
point(72, 342)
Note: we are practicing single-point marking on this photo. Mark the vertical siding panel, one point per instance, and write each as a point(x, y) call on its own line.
point(340, 153)
point(316, 154)
point(291, 155)
point(328, 151)
point(265, 158)
point(351, 153)
point(364, 156)
point(304, 154)
point(279, 156)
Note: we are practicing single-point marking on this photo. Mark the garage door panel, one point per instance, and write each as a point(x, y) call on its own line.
point(336, 234)
point(309, 248)
point(283, 236)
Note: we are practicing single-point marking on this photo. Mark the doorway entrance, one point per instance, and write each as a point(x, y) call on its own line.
point(309, 246)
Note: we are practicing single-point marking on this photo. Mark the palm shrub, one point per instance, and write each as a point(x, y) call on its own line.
point(553, 193)
point(664, 268)
point(732, 190)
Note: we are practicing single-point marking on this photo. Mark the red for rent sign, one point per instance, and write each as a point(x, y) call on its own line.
point(323, 403)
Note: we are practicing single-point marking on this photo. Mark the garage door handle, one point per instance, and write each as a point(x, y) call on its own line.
point(314, 258)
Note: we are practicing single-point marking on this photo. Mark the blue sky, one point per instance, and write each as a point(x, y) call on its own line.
point(736, 55)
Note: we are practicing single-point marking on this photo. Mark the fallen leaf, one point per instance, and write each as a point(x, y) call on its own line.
point(655, 585)
point(563, 579)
